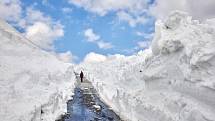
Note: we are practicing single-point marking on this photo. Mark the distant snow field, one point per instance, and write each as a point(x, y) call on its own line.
point(173, 80)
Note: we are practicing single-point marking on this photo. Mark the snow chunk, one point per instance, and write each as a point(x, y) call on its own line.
point(175, 19)
point(170, 46)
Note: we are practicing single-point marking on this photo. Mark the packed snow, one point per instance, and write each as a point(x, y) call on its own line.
point(34, 84)
point(173, 80)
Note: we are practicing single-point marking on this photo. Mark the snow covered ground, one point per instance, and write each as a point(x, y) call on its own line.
point(173, 80)
point(34, 84)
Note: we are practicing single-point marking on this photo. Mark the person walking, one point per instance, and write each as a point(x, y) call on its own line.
point(81, 76)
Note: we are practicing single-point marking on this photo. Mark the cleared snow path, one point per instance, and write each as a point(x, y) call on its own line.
point(86, 105)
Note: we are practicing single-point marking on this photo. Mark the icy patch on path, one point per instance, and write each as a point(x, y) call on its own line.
point(87, 106)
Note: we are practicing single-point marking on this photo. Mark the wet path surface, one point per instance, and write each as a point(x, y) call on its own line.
point(86, 106)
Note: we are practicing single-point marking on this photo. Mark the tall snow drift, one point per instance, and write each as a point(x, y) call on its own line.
point(34, 85)
point(172, 81)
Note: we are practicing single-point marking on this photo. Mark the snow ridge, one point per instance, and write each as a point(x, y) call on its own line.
point(173, 80)
point(34, 84)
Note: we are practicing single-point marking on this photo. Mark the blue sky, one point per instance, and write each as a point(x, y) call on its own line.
point(76, 20)
point(78, 27)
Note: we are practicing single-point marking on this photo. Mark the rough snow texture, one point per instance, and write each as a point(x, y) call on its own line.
point(34, 85)
point(172, 81)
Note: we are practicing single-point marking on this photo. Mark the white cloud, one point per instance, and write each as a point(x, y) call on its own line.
point(94, 57)
point(102, 7)
point(129, 10)
point(140, 45)
point(33, 15)
point(39, 28)
point(67, 10)
point(91, 36)
point(200, 9)
point(133, 21)
point(104, 45)
point(132, 10)
point(140, 33)
point(46, 3)
point(43, 34)
point(10, 10)
point(67, 57)
point(143, 44)
point(145, 35)
point(115, 56)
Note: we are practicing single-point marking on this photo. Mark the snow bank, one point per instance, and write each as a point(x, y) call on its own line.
point(34, 85)
point(172, 81)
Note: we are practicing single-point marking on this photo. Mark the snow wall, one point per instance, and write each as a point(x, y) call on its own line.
point(173, 80)
point(34, 84)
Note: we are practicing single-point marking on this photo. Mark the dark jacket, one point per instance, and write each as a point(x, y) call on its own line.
point(81, 75)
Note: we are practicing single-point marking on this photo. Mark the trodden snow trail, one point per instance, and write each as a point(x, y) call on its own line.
point(86, 105)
